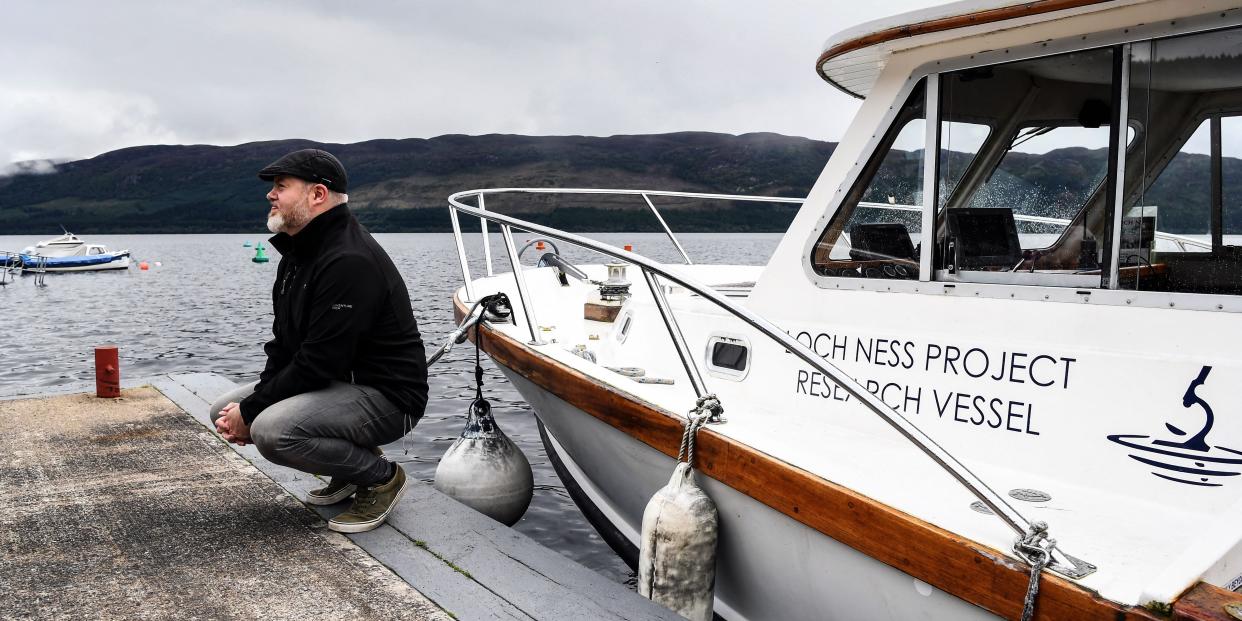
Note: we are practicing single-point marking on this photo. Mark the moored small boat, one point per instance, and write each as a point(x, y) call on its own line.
point(69, 253)
point(79, 263)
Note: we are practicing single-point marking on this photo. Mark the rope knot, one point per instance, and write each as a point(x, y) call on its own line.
point(710, 405)
point(1035, 544)
point(1036, 547)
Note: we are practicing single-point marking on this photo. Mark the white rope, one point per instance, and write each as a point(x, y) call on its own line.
point(705, 408)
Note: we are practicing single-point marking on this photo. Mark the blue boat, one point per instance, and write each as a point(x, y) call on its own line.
point(68, 253)
point(102, 261)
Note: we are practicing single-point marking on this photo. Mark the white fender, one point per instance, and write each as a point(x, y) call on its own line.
point(486, 471)
point(677, 560)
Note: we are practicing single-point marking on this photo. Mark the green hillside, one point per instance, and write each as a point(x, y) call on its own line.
point(401, 185)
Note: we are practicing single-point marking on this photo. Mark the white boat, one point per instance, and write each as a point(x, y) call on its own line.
point(69, 253)
point(902, 411)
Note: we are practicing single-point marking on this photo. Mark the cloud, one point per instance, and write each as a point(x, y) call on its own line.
point(83, 77)
point(29, 167)
point(56, 123)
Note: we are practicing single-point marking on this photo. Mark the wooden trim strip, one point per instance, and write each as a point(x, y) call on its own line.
point(967, 569)
point(991, 16)
point(1205, 602)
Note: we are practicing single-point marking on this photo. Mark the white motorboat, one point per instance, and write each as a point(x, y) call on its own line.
point(69, 253)
point(1010, 301)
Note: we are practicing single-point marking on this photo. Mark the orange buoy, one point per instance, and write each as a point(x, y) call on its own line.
point(539, 245)
point(144, 266)
point(107, 372)
point(629, 247)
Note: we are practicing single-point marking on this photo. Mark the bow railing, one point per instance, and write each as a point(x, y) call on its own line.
point(653, 272)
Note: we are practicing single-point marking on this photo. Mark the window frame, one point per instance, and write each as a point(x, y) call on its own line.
point(877, 151)
point(1112, 296)
point(969, 164)
point(1208, 117)
point(731, 338)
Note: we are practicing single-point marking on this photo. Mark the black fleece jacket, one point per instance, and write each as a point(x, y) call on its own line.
point(342, 313)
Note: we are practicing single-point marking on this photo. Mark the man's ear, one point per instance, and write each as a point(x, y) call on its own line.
point(320, 193)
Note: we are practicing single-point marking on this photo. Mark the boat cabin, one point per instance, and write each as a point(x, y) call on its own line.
point(1056, 179)
point(1070, 160)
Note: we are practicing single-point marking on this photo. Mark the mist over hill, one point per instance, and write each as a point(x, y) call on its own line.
point(402, 185)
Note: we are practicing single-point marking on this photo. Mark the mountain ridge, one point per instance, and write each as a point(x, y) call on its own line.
point(401, 184)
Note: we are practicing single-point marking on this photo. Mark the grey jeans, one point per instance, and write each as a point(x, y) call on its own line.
point(326, 432)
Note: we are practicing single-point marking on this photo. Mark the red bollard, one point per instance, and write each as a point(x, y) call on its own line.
point(107, 372)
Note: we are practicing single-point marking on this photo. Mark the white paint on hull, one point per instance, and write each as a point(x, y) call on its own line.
point(769, 566)
point(119, 264)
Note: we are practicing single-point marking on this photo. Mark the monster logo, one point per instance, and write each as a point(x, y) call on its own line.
point(1191, 461)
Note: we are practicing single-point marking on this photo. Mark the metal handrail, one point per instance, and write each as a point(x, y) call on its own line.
point(487, 246)
point(651, 269)
point(10, 264)
point(645, 194)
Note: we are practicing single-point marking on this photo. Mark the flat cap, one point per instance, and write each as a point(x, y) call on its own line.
point(314, 165)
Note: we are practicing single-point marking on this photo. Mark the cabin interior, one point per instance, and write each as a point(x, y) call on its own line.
point(1028, 166)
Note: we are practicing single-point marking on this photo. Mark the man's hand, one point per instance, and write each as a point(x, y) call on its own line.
point(231, 426)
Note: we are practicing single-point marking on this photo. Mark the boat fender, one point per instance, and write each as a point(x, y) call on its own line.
point(677, 557)
point(485, 470)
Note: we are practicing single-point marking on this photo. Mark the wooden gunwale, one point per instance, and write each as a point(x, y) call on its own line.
point(967, 569)
point(990, 16)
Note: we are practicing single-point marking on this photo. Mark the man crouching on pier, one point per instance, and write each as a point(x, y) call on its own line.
point(346, 371)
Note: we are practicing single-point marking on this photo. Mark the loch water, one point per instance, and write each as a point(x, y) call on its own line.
point(206, 307)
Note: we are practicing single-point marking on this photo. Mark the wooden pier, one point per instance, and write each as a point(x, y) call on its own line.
point(134, 508)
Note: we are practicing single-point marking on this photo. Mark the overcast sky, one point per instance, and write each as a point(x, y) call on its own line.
point(84, 77)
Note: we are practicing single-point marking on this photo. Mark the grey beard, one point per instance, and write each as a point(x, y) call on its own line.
point(295, 217)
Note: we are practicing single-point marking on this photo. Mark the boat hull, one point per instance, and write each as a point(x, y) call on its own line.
point(768, 565)
point(792, 542)
point(90, 263)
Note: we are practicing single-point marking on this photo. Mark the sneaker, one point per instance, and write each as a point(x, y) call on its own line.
point(372, 504)
point(335, 491)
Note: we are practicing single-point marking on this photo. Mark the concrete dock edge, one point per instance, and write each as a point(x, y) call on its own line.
point(468, 564)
